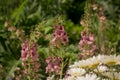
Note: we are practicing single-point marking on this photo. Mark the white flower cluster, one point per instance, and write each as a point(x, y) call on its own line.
point(101, 67)
point(94, 61)
point(86, 77)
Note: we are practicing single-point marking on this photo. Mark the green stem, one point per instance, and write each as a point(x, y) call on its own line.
point(29, 70)
point(61, 72)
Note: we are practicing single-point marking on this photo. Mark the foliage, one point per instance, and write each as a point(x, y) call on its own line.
point(40, 22)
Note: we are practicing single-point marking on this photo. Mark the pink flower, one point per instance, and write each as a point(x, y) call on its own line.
point(87, 43)
point(29, 56)
point(48, 60)
point(90, 39)
point(102, 18)
point(29, 50)
point(83, 33)
point(53, 64)
point(59, 36)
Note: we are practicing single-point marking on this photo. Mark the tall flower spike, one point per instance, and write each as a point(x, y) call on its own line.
point(87, 43)
point(29, 50)
point(53, 64)
point(59, 36)
point(29, 56)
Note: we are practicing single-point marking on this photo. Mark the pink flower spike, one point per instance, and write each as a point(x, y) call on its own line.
point(29, 50)
point(59, 36)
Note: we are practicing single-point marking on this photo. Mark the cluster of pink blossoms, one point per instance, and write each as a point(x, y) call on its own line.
point(29, 50)
point(87, 43)
point(29, 56)
point(53, 64)
point(59, 36)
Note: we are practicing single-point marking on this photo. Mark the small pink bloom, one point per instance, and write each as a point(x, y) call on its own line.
point(48, 59)
point(53, 64)
point(29, 49)
point(87, 43)
point(59, 36)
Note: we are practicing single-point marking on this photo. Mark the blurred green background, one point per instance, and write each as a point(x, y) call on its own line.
point(29, 14)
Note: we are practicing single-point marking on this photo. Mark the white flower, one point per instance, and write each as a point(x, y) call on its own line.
point(76, 71)
point(51, 77)
point(112, 59)
point(88, 77)
point(69, 78)
point(101, 68)
point(96, 60)
point(112, 75)
point(90, 62)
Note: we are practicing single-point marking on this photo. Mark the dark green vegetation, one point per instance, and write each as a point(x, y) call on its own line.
point(31, 16)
